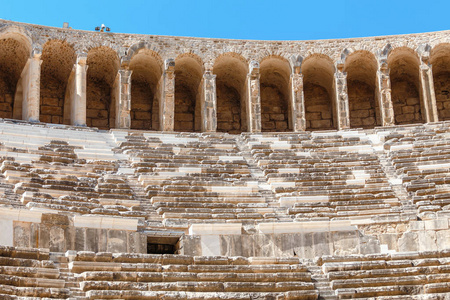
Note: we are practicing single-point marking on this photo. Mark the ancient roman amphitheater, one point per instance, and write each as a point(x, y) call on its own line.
point(150, 167)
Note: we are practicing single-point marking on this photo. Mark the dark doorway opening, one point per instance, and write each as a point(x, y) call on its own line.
point(162, 245)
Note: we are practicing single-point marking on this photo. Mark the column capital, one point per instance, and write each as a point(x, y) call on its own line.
point(36, 51)
point(209, 75)
point(253, 68)
point(169, 65)
point(124, 62)
point(424, 53)
point(297, 70)
point(339, 66)
point(125, 72)
point(81, 58)
point(340, 74)
point(296, 63)
point(424, 67)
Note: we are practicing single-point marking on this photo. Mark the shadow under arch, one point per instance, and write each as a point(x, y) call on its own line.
point(146, 67)
point(58, 59)
point(361, 69)
point(189, 70)
point(15, 50)
point(231, 70)
point(274, 84)
point(103, 65)
point(318, 76)
point(440, 61)
point(406, 93)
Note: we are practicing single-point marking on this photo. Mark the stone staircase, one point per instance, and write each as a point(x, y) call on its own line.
point(71, 282)
point(321, 282)
point(396, 183)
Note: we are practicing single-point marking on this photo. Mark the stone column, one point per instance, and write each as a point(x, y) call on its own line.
point(78, 101)
point(342, 109)
point(384, 95)
point(167, 101)
point(298, 116)
point(122, 90)
point(428, 94)
point(253, 98)
point(208, 102)
point(31, 101)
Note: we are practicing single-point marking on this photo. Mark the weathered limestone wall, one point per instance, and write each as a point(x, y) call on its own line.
point(406, 101)
point(6, 99)
point(60, 233)
point(429, 235)
point(98, 95)
point(318, 106)
point(141, 106)
point(184, 109)
point(274, 109)
point(13, 58)
point(362, 105)
point(442, 88)
point(253, 83)
point(52, 101)
point(423, 235)
point(305, 245)
point(58, 59)
point(228, 109)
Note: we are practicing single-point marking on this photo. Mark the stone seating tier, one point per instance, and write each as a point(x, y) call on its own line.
point(387, 275)
point(104, 275)
point(125, 276)
point(334, 175)
point(29, 273)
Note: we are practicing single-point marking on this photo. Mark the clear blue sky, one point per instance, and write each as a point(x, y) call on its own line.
point(239, 19)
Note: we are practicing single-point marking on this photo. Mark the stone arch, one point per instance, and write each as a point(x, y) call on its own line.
point(318, 76)
point(440, 61)
point(406, 95)
point(103, 64)
point(58, 58)
point(231, 70)
point(15, 50)
point(136, 48)
point(274, 85)
point(361, 69)
point(145, 89)
point(188, 77)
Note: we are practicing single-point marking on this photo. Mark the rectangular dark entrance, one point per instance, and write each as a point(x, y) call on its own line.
point(163, 244)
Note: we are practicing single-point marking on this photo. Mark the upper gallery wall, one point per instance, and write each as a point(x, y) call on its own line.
point(112, 80)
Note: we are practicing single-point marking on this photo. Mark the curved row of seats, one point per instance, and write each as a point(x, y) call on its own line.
point(37, 274)
point(389, 276)
point(29, 273)
point(149, 276)
point(330, 175)
point(184, 179)
point(421, 157)
point(197, 178)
